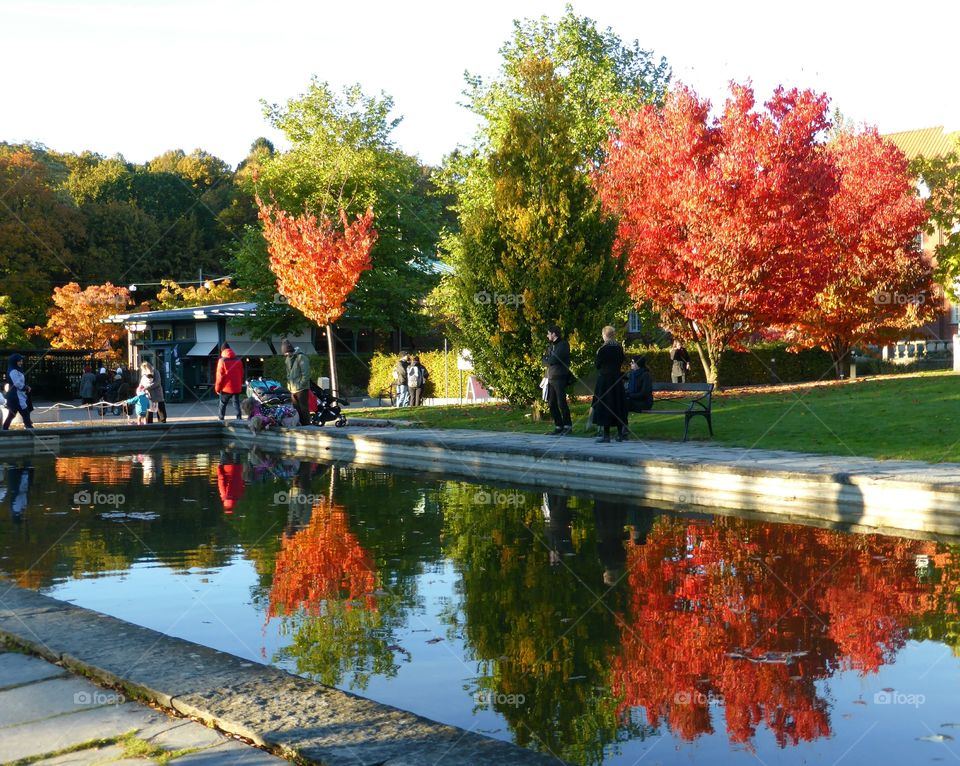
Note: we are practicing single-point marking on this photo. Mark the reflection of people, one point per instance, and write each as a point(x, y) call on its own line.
point(610, 518)
point(17, 488)
point(230, 482)
point(556, 512)
point(681, 363)
point(641, 521)
point(557, 362)
point(609, 398)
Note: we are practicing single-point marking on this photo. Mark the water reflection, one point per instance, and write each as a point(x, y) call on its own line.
point(571, 625)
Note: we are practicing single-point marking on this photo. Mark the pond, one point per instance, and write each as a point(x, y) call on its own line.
point(598, 631)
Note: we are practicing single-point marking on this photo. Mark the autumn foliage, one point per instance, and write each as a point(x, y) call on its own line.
point(317, 263)
point(76, 320)
point(751, 220)
point(755, 615)
point(324, 561)
point(878, 281)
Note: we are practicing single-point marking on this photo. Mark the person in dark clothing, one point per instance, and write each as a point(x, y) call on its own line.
point(557, 361)
point(17, 393)
point(681, 363)
point(400, 380)
point(609, 396)
point(639, 385)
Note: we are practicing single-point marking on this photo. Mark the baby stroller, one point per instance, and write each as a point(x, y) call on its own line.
point(268, 392)
point(327, 407)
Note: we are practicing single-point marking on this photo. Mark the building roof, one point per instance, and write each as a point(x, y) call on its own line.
point(926, 142)
point(200, 313)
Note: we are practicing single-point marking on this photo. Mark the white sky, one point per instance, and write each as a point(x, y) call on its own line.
point(142, 76)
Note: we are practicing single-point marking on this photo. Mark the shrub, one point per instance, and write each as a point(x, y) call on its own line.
point(354, 371)
point(381, 373)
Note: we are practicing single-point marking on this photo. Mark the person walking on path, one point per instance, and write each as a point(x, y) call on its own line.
point(609, 396)
point(416, 380)
point(557, 361)
point(17, 393)
point(298, 379)
point(88, 385)
point(400, 380)
point(151, 383)
point(681, 363)
point(229, 380)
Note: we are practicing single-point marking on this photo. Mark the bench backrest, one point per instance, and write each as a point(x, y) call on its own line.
point(699, 387)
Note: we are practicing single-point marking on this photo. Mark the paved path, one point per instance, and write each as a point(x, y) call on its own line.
point(46, 711)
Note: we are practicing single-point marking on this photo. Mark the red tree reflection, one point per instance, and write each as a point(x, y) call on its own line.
point(754, 614)
point(323, 561)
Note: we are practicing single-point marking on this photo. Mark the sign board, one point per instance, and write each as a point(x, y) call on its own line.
point(465, 360)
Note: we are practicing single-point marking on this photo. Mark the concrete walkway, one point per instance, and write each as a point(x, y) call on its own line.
point(49, 716)
point(302, 719)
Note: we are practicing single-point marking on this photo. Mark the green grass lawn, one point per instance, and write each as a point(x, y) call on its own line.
point(913, 417)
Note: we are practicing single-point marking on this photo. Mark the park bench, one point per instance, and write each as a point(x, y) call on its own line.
point(387, 393)
point(699, 405)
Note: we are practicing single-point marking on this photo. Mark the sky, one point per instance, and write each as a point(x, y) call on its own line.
point(140, 77)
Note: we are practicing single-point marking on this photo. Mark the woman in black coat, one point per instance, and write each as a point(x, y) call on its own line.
point(609, 396)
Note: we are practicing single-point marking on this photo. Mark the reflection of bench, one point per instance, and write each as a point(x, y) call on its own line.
point(699, 405)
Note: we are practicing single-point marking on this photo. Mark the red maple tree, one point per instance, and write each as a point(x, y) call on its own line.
point(879, 282)
point(317, 263)
point(722, 219)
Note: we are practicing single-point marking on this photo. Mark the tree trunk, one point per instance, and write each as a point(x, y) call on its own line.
point(840, 353)
point(332, 351)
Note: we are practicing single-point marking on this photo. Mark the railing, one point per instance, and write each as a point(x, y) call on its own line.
point(908, 351)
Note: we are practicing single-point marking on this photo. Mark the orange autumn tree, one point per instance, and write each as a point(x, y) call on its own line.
point(76, 319)
point(317, 263)
point(322, 562)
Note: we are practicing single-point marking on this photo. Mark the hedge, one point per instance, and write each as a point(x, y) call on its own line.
point(762, 363)
point(381, 373)
point(353, 371)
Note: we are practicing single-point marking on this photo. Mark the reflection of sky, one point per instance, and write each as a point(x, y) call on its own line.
point(215, 608)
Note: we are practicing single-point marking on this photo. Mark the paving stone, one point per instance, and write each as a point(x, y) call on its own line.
point(229, 753)
point(187, 734)
point(52, 734)
point(54, 696)
point(87, 757)
point(17, 669)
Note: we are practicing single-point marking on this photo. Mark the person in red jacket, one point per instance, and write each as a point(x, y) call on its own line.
point(229, 380)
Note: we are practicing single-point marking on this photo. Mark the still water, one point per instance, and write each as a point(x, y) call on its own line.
point(596, 631)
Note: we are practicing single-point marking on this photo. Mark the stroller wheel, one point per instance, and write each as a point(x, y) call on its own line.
point(341, 422)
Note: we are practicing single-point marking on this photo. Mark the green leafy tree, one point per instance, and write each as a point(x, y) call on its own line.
point(342, 155)
point(942, 177)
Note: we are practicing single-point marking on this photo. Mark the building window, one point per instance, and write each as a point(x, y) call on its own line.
point(633, 323)
point(955, 313)
point(184, 332)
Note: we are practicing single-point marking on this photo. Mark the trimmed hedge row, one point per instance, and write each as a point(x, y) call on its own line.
point(381, 373)
point(762, 363)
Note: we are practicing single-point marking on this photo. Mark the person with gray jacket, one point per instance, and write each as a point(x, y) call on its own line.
point(298, 379)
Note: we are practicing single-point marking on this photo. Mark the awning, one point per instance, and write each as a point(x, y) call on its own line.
point(204, 348)
point(250, 348)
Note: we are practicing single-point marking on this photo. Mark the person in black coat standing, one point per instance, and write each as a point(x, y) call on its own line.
point(557, 361)
point(609, 396)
